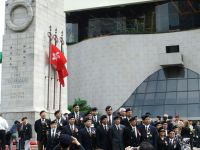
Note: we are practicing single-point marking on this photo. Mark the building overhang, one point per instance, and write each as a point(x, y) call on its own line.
point(78, 5)
point(170, 59)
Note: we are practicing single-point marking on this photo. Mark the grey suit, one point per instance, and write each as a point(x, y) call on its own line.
point(116, 136)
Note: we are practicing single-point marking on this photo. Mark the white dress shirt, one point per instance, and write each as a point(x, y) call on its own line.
point(3, 124)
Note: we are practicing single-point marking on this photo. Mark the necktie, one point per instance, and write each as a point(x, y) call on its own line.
point(135, 132)
point(53, 134)
point(109, 120)
point(89, 131)
point(95, 119)
point(146, 128)
point(77, 116)
point(105, 128)
point(71, 127)
point(117, 128)
point(171, 141)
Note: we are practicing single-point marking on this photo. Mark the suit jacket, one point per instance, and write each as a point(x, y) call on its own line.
point(66, 130)
point(112, 120)
point(125, 122)
point(102, 138)
point(79, 121)
point(162, 144)
point(116, 137)
point(129, 137)
point(41, 129)
point(151, 136)
point(95, 122)
point(61, 124)
point(87, 140)
point(26, 132)
point(174, 146)
point(52, 141)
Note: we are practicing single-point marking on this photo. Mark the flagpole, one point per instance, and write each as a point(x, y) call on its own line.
point(61, 47)
point(49, 66)
point(54, 87)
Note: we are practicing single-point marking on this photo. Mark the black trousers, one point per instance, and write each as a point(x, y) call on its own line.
point(2, 139)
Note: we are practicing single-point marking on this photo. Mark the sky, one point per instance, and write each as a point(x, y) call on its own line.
point(2, 22)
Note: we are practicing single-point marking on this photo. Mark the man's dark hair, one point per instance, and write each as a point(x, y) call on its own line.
point(24, 118)
point(56, 112)
point(42, 111)
point(75, 105)
point(146, 146)
point(108, 107)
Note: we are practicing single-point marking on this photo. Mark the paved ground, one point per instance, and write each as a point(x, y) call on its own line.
point(34, 147)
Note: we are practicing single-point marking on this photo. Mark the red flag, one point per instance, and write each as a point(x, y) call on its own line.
point(62, 74)
point(58, 60)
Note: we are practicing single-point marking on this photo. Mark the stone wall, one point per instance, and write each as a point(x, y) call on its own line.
point(25, 62)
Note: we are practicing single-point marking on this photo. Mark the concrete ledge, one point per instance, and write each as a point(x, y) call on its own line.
point(171, 59)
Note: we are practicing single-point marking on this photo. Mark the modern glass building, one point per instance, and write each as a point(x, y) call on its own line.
point(173, 90)
point(142, 18)
point(139, 54)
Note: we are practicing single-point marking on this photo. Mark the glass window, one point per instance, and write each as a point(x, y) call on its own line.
point(171, 85)
point(151, 86)
point(153, 76)
point(193, 110)
point(170, 110)
point(170, 98)
point(149, 99)
point(142, 88)
point(160, 98)
point(158, 110)
point(181, 110)
point(161, 86)
point(193, 97)
point(192, 84)
point(192, 74)
point(170, 92)
point(139, 99)
point(165, 16)
point(182, 85)
point(148, 109)
point(129, 103)
point(182, 98)
point(161, 75)
point(137, 111)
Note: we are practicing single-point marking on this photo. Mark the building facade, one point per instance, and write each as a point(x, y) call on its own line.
point(138, 54)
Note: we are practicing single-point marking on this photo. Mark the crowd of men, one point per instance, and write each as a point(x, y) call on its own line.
point(79, 131)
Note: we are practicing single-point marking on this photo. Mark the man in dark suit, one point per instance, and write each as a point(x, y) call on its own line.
point(132, 135)
point(25, 133)
point(116, 134)
point(87, 135)
point(109, 114)
point(67, 141)
point(165, 127)
point(102, 136)
point(53, 136)
point(70, 129)
point(129, 114)
point(41, 126)
point(95, 117)
point(79, 116)
point(61, 122)
point(162, 141)
point(148, 132)
point(173, 144)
